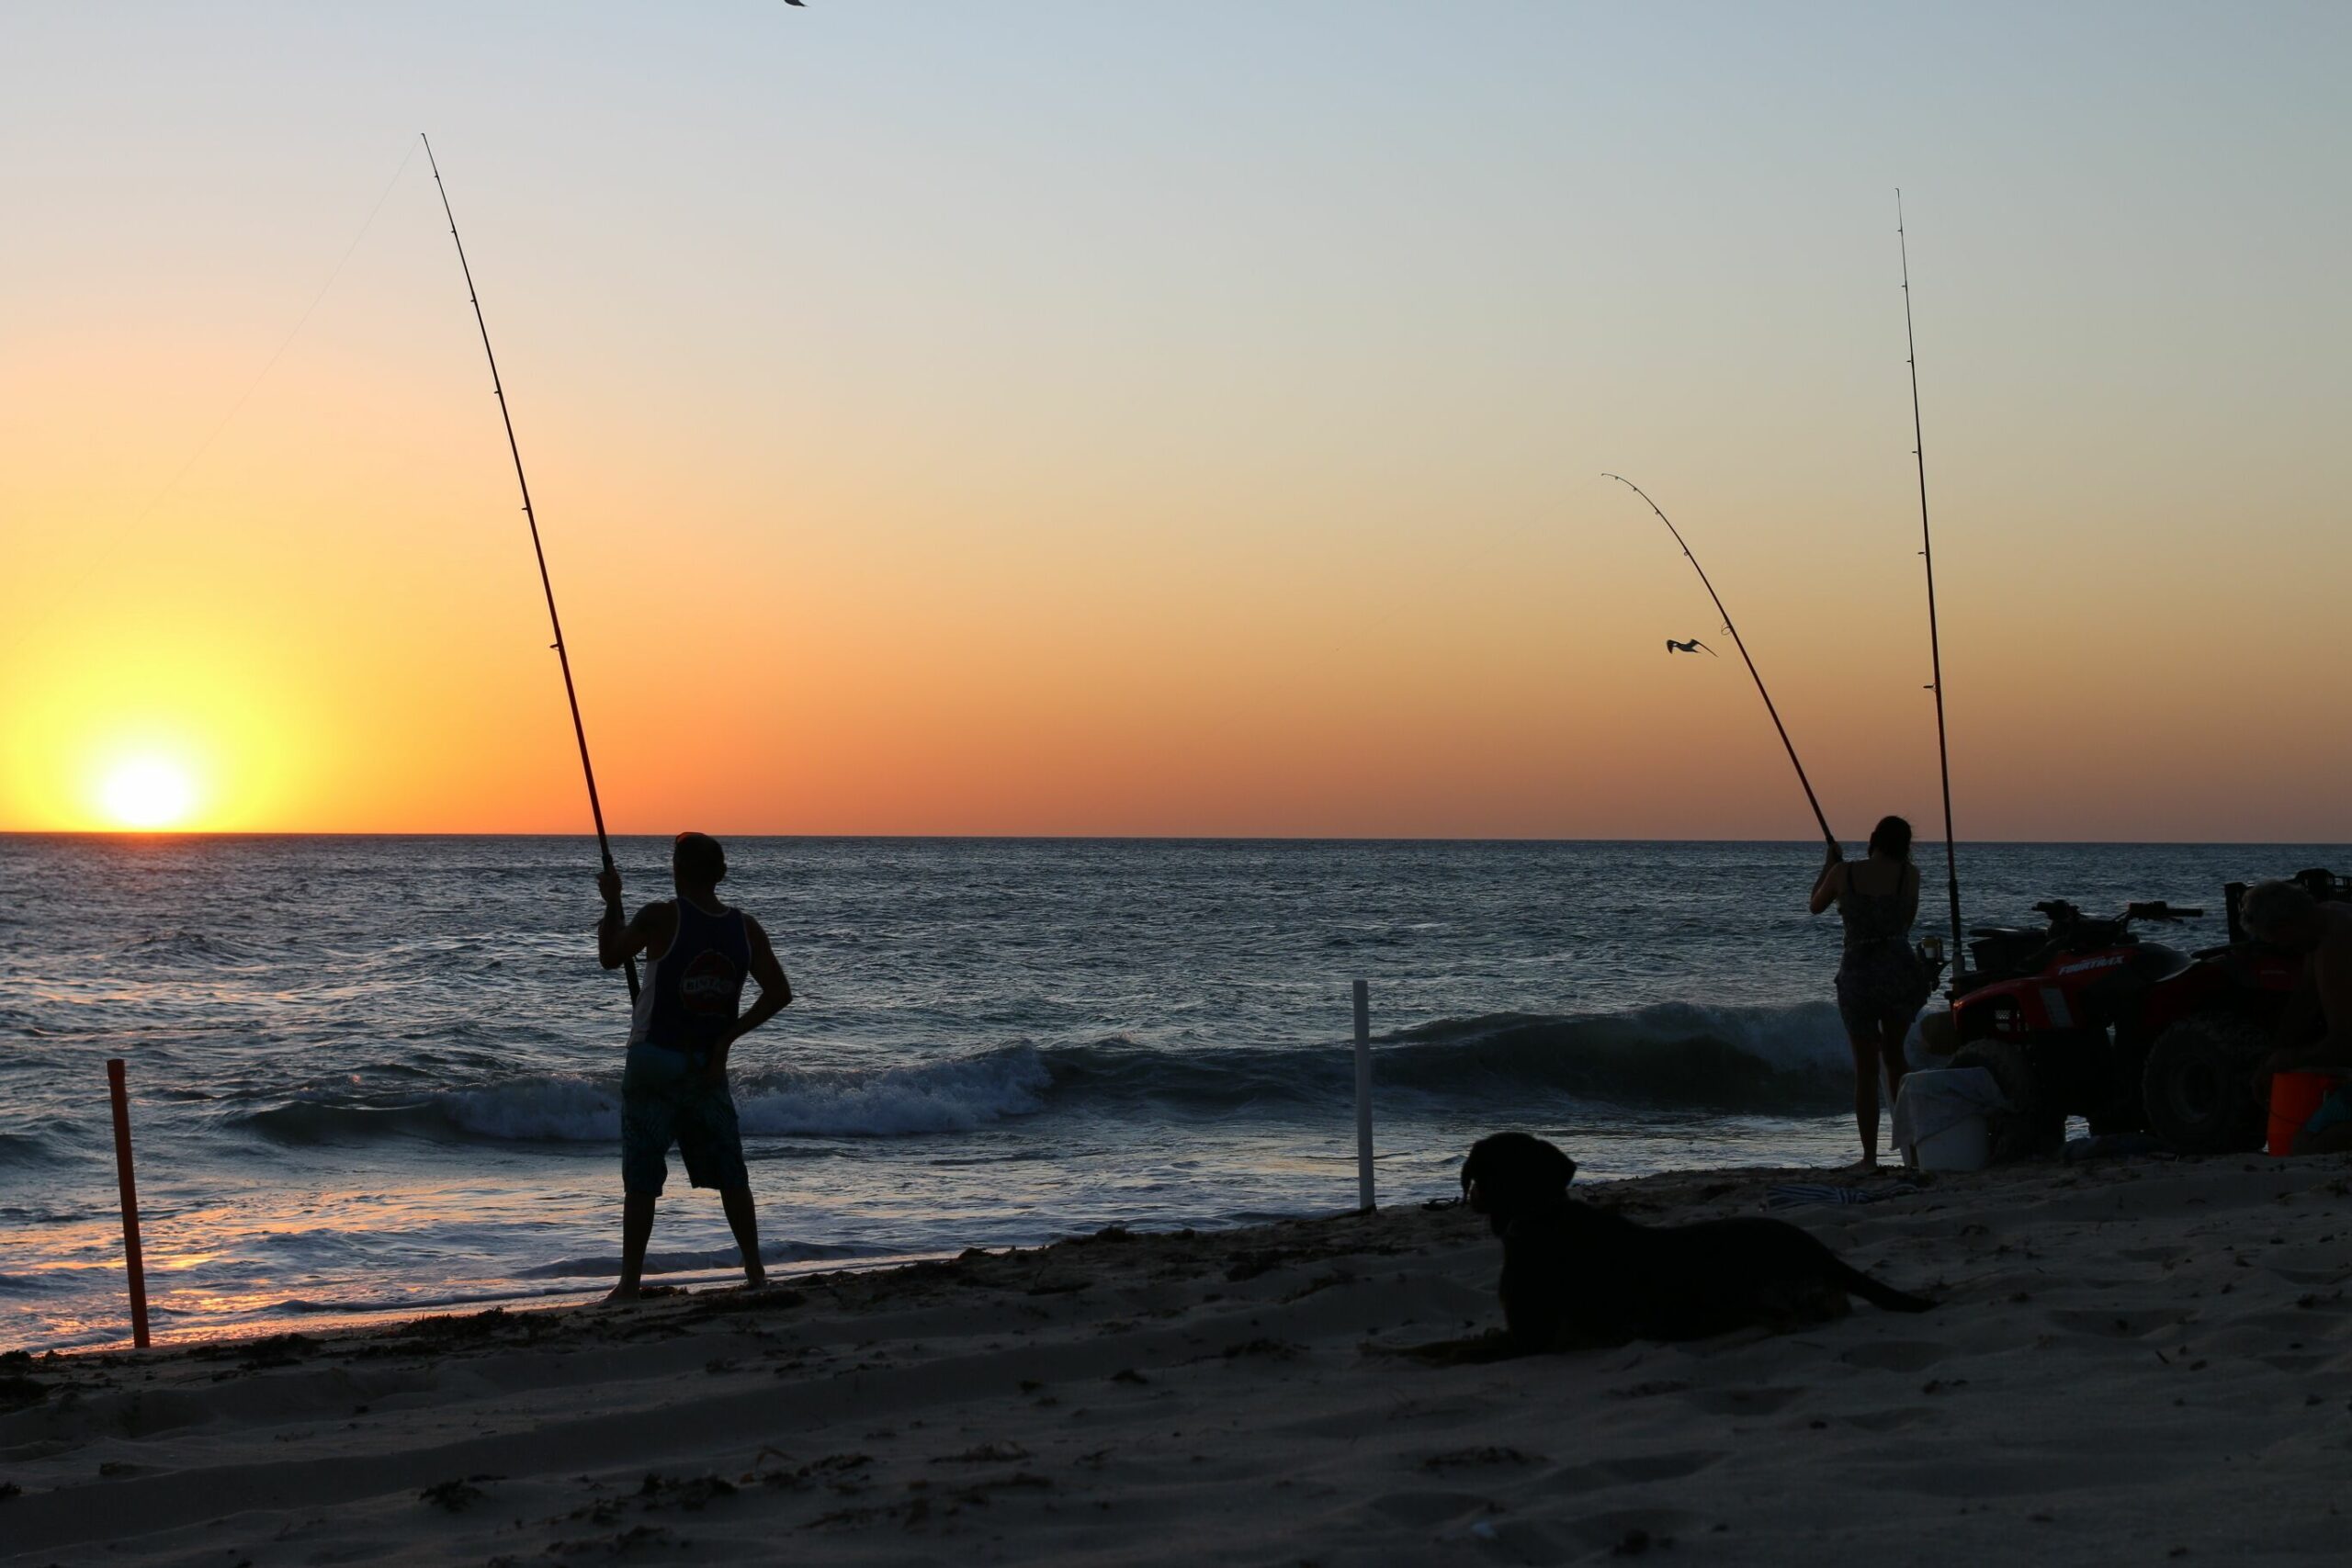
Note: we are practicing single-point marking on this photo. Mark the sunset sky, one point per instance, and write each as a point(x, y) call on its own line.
point(1110, 418)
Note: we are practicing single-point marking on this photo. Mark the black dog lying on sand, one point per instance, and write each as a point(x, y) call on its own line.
point(1576, 1275)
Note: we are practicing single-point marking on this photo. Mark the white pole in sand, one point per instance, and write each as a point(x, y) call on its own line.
point(1364, 1098)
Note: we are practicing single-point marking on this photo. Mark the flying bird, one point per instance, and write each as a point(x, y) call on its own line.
point(1693, 646)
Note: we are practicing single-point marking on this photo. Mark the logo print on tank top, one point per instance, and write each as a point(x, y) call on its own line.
point(707, 988)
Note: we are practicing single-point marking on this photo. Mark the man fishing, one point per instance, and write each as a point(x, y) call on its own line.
point(2283, 913)
point(674, 1087)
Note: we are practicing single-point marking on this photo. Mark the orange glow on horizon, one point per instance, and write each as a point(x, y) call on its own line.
point(1057, 431)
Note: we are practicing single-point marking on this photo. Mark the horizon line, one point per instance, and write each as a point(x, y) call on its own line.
point(586, 835)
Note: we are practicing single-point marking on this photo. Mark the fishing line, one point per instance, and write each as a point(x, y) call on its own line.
point(1740, 643)
point(301, 322)
point(1927, 554)
point(563, 658)
point(56, 601)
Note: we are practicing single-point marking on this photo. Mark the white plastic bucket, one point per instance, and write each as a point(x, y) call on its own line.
point(1967, 1144)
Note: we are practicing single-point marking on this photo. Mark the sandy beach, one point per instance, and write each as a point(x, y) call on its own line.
point(2130, 1362)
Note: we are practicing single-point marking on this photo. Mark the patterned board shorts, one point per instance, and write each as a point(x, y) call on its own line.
point(663, 1101)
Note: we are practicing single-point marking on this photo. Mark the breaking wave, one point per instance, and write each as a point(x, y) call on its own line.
point(1757, 1060)
point(957, 1095)
point(1762, 1061)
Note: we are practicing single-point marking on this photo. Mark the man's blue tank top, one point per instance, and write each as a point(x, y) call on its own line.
point(694, 990)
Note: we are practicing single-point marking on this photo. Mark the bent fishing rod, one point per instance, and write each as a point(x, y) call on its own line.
point(555, 622)
point(1786, 743)
point(1927, 554)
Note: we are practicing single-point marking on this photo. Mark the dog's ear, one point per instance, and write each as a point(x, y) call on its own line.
point(1559, 1163)
point(1470, 1165)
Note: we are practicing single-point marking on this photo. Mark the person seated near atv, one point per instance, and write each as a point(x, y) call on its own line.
point(2284, 914)
point(1881, 985)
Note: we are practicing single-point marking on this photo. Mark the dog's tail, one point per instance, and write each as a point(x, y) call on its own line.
point(1886, 1298)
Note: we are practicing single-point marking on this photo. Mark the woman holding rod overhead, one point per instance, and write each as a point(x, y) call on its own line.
point(1881, 985)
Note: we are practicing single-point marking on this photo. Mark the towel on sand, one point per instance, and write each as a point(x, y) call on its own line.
point(1792, 1194)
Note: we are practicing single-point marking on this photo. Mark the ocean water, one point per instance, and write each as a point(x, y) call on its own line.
point(380, 1074)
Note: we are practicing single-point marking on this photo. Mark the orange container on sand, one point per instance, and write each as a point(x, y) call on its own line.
point(2294, 1097)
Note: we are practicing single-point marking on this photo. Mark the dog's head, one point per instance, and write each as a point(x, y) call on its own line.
point(1509, 1173)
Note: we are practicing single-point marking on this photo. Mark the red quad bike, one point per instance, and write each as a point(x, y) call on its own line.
point(2086, 1018)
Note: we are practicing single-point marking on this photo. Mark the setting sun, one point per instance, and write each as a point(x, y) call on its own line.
point(148, 792)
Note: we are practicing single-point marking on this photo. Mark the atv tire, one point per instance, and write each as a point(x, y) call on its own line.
point(2196, 1083)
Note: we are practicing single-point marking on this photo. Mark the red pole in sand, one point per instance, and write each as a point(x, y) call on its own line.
point(129, 1203)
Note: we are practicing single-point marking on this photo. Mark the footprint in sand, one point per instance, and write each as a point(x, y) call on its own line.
point(1633, 1532)
point(1633, 1469)
point(2167, 1255)
point(1427, 1510)
point(1888, 1420)
point(1743, 1401)
point(2121, 1325)
point(1896, 1355)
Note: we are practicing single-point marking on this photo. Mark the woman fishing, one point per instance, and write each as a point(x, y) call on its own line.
point(1881, 985)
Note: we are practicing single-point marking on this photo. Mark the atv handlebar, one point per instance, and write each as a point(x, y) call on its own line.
point(2062, 914)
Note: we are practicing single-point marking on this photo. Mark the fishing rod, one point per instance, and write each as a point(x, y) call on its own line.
point(579, 730)
point(1927, 554)
point(1737, 642)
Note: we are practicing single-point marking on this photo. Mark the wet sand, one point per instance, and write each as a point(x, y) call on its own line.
point(2134, 1362)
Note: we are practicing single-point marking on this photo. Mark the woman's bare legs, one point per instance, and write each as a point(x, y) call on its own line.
point(1892, 1032)
point(1866, 1055)
point(1876, 1054)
